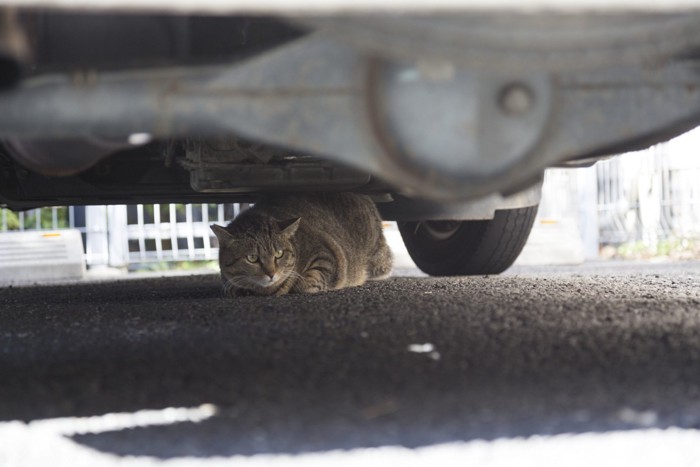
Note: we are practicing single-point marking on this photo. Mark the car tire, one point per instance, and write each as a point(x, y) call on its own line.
point(452, 248)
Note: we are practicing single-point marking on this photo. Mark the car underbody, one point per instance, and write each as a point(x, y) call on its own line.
point(105, 107)
point(447, 115)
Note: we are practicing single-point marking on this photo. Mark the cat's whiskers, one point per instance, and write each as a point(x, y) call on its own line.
point(238, 282)
point(250, 283)
point(298, 277)
point(228, 286)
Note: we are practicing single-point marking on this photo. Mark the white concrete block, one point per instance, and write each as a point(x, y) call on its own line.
point(41, 256)
point(553, 242)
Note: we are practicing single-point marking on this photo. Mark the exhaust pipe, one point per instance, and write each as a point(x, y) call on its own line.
point(64, 157)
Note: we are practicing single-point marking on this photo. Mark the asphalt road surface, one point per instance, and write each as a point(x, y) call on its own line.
point(535, 367)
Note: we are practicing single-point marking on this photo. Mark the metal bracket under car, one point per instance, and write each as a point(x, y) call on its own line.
point(430, 127)
point(480, 209)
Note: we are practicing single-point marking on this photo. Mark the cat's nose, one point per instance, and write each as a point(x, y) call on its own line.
point(268, 271)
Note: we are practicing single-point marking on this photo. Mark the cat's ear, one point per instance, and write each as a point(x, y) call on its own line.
point(223, 235)
point(289, 226)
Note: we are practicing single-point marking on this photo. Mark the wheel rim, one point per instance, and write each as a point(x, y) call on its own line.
point(440, 230)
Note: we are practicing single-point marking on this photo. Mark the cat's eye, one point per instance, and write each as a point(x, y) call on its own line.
point(252, 258)
point(279, 253)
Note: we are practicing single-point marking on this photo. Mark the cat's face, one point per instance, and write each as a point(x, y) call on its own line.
point(259, 257)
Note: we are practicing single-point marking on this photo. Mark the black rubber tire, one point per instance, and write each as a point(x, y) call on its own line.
point(455, 248)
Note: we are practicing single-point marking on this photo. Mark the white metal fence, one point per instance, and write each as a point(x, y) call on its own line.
point(170, 232)
point(645, 197)
point(651, 195)
point(127, 235)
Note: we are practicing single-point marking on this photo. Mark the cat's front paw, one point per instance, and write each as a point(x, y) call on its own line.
point(316, 288)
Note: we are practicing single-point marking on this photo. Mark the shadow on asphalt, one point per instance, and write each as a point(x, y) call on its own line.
point(515, 357)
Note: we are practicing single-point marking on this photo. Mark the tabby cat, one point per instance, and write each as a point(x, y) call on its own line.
point(303, 244)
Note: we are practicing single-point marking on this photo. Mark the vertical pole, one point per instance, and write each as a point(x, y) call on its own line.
point(97, 243)
point(190, 232)
point(141, 233)
point(205, 231)
point(118, 236)
point(587, 181)
point(156, 232)
point(173, 231)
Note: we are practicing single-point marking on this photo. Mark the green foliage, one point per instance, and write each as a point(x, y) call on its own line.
point(673, 248)
point(45, 219)
point(10, 217)
point(162, 266)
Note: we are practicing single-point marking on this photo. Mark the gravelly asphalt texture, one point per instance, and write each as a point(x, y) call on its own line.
point(536, 351)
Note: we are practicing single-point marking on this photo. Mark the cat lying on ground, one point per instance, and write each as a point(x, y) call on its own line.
point(303, 244)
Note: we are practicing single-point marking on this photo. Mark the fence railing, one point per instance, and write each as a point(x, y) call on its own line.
point(126, 235)
point(37, 219)
point(172, 232)
point(651, 195)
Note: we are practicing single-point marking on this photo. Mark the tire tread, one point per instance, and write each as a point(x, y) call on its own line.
point(479, 247)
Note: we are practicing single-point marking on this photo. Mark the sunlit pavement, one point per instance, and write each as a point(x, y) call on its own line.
point(576, 365)
point(48, 443)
